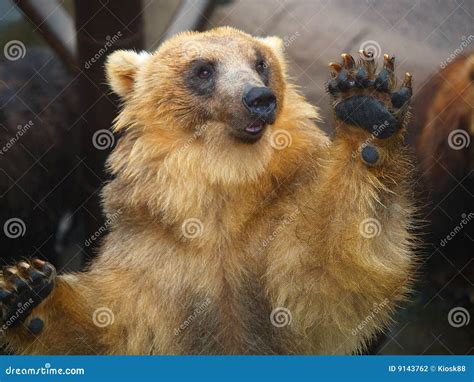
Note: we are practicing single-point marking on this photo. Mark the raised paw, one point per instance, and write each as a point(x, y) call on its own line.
point(22, 287)
point(368, 100)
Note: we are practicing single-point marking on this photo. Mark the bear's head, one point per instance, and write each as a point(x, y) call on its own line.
point(212, 97)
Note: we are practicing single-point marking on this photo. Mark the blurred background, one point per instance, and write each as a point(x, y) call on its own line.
point(56, 109)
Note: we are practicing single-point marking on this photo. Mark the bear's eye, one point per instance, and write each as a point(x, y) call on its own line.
point(200, 77)
point(261, 66)
point(204, 72)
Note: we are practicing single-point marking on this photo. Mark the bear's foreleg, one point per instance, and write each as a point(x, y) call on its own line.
point(346, 262)
point(45, 314)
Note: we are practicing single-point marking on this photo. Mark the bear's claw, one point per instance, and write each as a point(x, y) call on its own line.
point(361, 96)
point(22, 288)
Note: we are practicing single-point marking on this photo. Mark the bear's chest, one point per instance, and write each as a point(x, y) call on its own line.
point(235, 320)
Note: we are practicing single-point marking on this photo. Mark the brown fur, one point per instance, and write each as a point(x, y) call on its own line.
point(444, 104)
point(280, 228)
point(443, 111)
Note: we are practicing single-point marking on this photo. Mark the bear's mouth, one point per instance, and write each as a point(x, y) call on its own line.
point(251, 133)
point(255, 128)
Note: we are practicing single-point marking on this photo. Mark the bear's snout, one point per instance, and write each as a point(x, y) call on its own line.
point(261, 103)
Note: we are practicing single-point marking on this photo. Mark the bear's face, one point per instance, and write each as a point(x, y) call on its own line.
point(224, 80)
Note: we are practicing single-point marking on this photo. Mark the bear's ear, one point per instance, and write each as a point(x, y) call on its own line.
point(275, 43)
point(121, 68)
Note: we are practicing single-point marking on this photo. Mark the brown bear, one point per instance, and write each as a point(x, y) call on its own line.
point(239, 227)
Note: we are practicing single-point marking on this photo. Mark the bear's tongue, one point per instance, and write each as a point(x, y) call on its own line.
point(255, 127)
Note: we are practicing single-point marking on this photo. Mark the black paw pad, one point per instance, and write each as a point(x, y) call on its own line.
point(368, 113)
point(36, 326)
point(361, 79)
point(401, 97)
point(382, 82)
point(361, 96)
point(341, 83)
point(22, 288)
point(370, 155)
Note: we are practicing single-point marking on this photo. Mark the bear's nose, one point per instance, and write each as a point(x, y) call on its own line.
point(260, 102)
